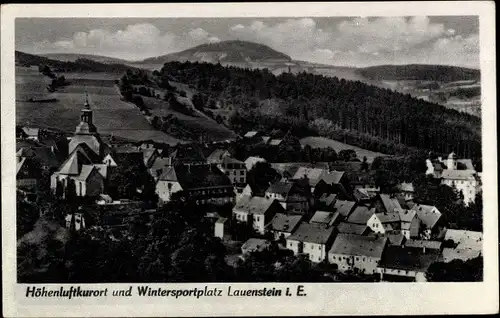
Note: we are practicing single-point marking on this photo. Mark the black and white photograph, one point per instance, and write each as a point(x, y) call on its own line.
point(294, 149)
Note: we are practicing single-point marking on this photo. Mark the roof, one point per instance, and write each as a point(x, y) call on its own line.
point(160, 163)
point(102, 169)
point(251, 161)
point(221, 220)
point(255, 244)
point(129, 158)
point(344, 207)
point(31, 131)
point(428, 214)
point(285, 223)
point(450, 254)
point(227, 160)
point(217, 155)
point(313, 174)
point(361, 215)
point(281, 187)
point(395, 238)
point(390, 203)
point(357, 245)
point(85, 172)
point(388, 217)
point(458, 174)
point(73, 164)
point(251, 134)
point(275, 142)
point(266, 139)
point(186, 154)
point(332, 177)
point(19, 164)
point(406, 187)
point(423, 243)
point(324, 217)
point(328, 199)
point(408, 258)
point(253, 205)
point(467, 163)
point(406, 215)
point(43, 155)
point(346, 165)
point(465, 239)
point(196, 176)
point(352, 228)
point(361, 194)
point(312, 233)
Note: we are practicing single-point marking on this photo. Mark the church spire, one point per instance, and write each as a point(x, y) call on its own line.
point(86, 105)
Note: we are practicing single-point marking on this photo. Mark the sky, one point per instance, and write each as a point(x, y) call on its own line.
point(342, 41)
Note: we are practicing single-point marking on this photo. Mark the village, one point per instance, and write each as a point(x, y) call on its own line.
point(328, 212)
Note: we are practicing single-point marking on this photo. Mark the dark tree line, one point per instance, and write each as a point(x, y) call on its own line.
point(354, 109)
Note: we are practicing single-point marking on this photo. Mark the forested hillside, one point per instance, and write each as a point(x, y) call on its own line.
point(441, 73)
point(367, 116)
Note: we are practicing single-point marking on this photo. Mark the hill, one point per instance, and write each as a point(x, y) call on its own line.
point(225, 51)
point(353, 112)
point(422, 72)
point(72, 57)
point(79, 65)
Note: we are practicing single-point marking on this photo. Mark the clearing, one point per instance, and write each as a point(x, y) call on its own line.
point(322, 142)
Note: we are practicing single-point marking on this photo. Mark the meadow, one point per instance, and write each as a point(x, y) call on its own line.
point(112, 116)
point(322, 142)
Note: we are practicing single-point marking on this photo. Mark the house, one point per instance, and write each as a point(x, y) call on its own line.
point(31, 133)
point(364, 195)
point(314, 175)
point(344, 207)
point(293, 196)
point(258, 211)
point(327, 201)
point(324, 217)
point(423, 244)
point(435, 167)
point(407, 190)
point(188, 154)
point(410, 263)
point(250, 162)
point(251, 134)
point(159, 166)
point(26, 173)
point(351, 228)
point(400, 221)
point(275, 142)
point(43, 156)
point(255, 245)
point(361, 215)
point(220, 227)
point(201, 183)
point(351, 251)
point(282, 225)
point(266, 139)
point(312, 239)
point(386, 203)
point(466, 245)
point(218, 155)
point(429, 216)
point(236, 171)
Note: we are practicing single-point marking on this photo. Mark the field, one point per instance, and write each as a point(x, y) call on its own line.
point(112, 116)
point(322, 142)
point(198, 124)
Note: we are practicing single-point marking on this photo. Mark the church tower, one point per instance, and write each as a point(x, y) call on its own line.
point(86, 125)
point(86, 131)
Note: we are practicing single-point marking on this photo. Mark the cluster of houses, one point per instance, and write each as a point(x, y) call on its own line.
point(330, 212)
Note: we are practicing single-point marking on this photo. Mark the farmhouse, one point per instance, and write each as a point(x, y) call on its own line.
point(312, 239)
point(201, 183)
point(350, 251)
point(258, 211)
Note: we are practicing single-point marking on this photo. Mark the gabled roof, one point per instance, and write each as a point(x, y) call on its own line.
point(254, 245)
point(458, 174)
point(352, 228)
point(85, 172)
point(254, 205)
point(450, 254)
point(196, 176)
point(31, 132)
point(217, 155)
point(344, 207)
point(421, 243)
point(19, 164)
point(406, 215)
point(313, 174)
point(465, 239)
point(186, 154)
point(275, 142)
point(43, 155)
point(312, 233)
point(285, 223)
point(281, 187)
point(406, 187)
point(357, 245)
point(252, 161)
point(324, 217)
point(75, 161)
point(388, 217)
point(266, 139)
point(361, 215)
point(390, 203)
point(328, 199)
point(128, 158)
point(332, 177)
point(395, 238)
point(428, 214)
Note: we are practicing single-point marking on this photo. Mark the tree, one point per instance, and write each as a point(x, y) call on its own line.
point(456, 271)
point(347, 154)
point(261, 176)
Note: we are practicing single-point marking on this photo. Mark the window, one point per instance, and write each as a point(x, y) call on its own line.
point(333, 257)
point(242, 180)
point(242, 172)
point(357, 258)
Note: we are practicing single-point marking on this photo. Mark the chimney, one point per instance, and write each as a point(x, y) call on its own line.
point(189, 167)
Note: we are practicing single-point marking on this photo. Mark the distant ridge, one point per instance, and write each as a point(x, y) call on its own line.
point(443, 73)
point(72, 57)
point(234, 51)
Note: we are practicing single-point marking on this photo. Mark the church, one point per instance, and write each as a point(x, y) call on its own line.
point(83, 171)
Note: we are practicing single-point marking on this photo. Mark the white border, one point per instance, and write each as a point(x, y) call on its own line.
point(322, 299)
